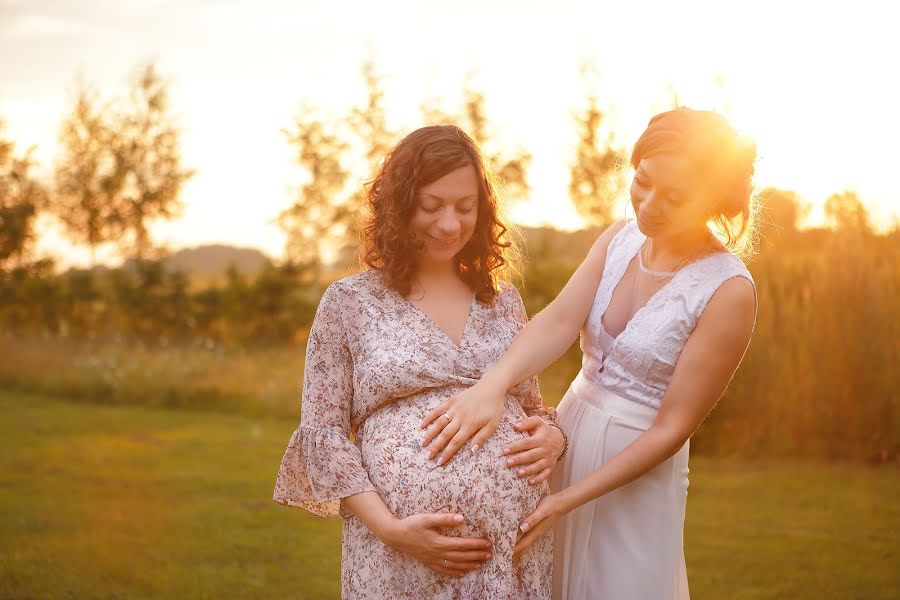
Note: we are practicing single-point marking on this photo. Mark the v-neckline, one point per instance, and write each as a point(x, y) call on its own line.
point(652, 297)
point(434, 324)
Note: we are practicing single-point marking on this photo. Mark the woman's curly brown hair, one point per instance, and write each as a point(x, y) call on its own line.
point(421, 158)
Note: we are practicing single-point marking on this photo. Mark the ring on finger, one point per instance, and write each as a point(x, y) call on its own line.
point(448, 415)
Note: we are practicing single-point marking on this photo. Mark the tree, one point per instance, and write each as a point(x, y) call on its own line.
point(512, 169)
point(21, 197)
point(148, 155)
point(324, 218)
point(846, 211)
point(87, 180)
point(595, 177)
point(368, 123)
point(315, 221)
point(121, 166)
point(781, 210)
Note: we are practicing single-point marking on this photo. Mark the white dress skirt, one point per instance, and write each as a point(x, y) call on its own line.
point(628, 544)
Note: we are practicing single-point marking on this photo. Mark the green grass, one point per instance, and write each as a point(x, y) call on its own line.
point(137, 502)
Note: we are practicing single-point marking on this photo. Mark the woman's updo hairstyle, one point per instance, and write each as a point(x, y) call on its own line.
point(721, 157)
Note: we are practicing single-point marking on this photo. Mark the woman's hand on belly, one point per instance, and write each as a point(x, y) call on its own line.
point(419, 536)
point(471, 414)
point(536, 455)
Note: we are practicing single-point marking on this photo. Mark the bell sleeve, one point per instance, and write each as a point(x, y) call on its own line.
point(321, 465)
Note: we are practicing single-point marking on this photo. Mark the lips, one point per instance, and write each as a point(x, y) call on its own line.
point(441, 242)
point(647, 223)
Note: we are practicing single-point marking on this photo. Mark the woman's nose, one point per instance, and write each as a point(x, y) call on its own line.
point(649, 203)
point(449, 224)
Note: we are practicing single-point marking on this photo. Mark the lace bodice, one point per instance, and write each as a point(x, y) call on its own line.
point(638, 363)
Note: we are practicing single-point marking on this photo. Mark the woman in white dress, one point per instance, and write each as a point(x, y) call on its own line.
point(665, 310)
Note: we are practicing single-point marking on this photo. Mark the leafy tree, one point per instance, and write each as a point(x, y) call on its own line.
point(21, 198)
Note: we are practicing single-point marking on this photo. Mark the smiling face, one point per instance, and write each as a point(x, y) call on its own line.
point(446, 213)
point(668, 197)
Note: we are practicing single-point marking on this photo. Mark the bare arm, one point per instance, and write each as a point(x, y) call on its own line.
point(476, 411)
point(705, 367)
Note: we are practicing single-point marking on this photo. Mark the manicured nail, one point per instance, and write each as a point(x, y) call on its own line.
point(441, 460)
point(519, 424)
point(458, 518)
point(524, 526)
point(506, 451)
point(521, 472)
point(475, 448)
point(509, 462)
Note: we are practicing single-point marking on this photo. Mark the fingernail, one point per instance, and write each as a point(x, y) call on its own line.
point(521, 471)
point(489, 557)
point(509, 461)
point(524, 526)
point(519, 424)
point(458, 518)
point(475, 448)
point(440, 461)
point(506, 451)
point(531, 481)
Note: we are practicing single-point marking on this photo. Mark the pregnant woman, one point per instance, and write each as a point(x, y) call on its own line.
point(665, 310)
point(387, 345)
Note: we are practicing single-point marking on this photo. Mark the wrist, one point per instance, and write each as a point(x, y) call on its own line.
point(387, 530)
point(562, 437)
point(495, 382)
point(566, 501)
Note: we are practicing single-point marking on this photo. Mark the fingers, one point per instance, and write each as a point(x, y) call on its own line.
point(526, 458)
point(455, 444)
point(434, 430)
point(534, 526)
point(469, 555)
point(455, 568)
point(462, 544)
point(541, 477)
point(527, 540)
point(464, 565)
point(436, 520)
point(521, 445)
point(435, 412)
point(533, 520)
point(534, 468)
point(529, 423)
point(443, 438)
point(479, 439)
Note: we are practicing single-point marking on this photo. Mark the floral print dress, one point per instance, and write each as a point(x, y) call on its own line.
point(375, 364)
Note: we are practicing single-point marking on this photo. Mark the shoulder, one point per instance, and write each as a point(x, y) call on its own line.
point(611, 236)
point(618, 230)
point(355, 284)
point(733, 304)
point(346, 292)
point(507, 294)
point(509, 300)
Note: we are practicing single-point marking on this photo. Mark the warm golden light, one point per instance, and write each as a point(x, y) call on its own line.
point(809, 92)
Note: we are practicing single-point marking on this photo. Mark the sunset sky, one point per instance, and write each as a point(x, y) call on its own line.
point(813, 83)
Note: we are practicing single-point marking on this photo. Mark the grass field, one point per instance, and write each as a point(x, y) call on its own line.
point(137, 502)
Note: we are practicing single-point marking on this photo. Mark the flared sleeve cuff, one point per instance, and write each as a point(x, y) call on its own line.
point(320, 466)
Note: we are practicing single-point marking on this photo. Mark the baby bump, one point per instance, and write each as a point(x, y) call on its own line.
point(479, 486)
